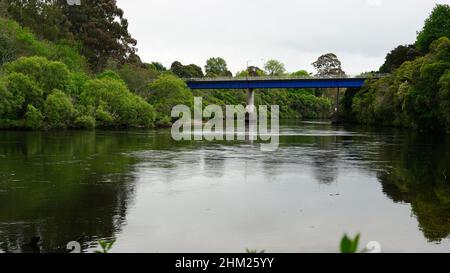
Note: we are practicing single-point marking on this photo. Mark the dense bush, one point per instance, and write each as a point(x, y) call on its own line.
point(436, 26)
point(165, 93)
point(38, 93)
point(25, 43)
point(110, 101)
point(33, 118)
point(415, 95)
point(293, 104)
point(137, 77)
point(58, 109)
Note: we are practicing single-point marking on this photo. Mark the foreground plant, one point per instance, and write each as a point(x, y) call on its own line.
point(349, 245)
point(105, 245)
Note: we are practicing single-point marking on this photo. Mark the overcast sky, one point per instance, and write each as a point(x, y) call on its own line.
point(294, 32)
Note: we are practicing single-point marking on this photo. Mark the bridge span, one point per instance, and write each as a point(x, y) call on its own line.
point(277, 82)
point(251, 83)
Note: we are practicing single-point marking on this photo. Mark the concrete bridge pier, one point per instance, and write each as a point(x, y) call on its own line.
point(250, 108)
point(337, 100)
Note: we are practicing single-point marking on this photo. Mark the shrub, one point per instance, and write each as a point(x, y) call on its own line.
point(26, 44)
point(168, 91)
point(47, 74)
point(58, 109)
point(114, 104)
point(33, 118)
point(7, 49)
point(85, 122)
point(415, 95)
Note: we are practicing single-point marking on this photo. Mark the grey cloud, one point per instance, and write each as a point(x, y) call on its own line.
point(361, 32)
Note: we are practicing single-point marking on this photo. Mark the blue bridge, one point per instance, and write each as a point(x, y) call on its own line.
point(252, 83)
point(278, 82)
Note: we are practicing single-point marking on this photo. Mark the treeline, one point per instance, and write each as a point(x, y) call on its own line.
point(77, 66)
point(417, 92)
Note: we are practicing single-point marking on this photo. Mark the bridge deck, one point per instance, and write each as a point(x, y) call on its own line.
point(267, 83)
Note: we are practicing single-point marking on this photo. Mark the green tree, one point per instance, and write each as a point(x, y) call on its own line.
point(251, 71)
point(274, 68)
point(186, 71)
point(157, 66)
point(109, 99)
point(33, 118)
point(398, 56)
point(301, 73)
point(58, 109)
point(99, 25)
point(437, 25)
point(328, 65)
point(415, 95)
point(7, 49)
point(48, 74)
point(137, 77)
point(166, 92)
point(217, 67)
point(24, 91)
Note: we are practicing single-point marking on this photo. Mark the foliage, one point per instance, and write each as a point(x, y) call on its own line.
point(186, 71)
point(7, 49)
point(137, 77)
point(328, 65)
point(217, 67)
point(48, 74)
point(437, 25)
point(274, 68)
point(33, 118)
point(58, 109)
point(251, 71)
point(85, 122)
point(25, 43)
point(415, 95)
point(157, 66)
point(98, 25)
point(105, 245)
point(301, 73)
point(113, 104)
point(349, 245)
point(398, 56)
point(295, 104)
point(165, 93)
point(38, 93)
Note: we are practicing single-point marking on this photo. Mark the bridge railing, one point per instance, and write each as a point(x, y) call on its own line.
point(268, 78)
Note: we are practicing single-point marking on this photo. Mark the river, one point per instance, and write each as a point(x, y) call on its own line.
point(153, 194)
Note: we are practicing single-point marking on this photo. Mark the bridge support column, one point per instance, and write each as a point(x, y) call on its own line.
point(337, 100)
point(251, 109)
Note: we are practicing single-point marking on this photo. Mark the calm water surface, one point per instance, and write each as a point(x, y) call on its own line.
point(156, 195)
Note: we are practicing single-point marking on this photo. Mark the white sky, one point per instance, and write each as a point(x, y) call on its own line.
point(295, 32)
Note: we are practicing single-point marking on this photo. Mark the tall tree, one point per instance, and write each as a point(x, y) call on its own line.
point(301, 73)
point(98, 26)
point(274, 68)
point(328, 65)
point(437, 25)
point(398, 56)
point(103, 30)
point(4, 8)
point(157, 66)
point(217, 67)
point(186, 71)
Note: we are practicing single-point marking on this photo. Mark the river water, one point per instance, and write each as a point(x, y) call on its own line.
point(153, 194)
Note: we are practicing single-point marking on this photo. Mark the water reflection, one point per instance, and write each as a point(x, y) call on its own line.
point(418, 175)
point(62, 187)
point(155, 194)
